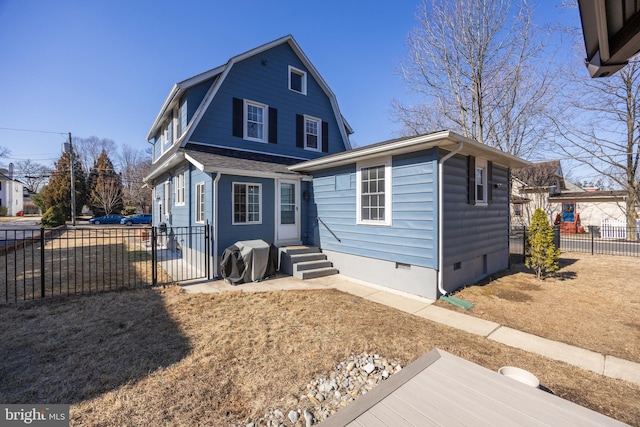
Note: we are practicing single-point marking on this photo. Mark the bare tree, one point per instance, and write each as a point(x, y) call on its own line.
point(601, 129)
point(107, 193)
point(477, 66)
point(33, 175)
point(134, 166)
point(89, 149)
point(105, 186)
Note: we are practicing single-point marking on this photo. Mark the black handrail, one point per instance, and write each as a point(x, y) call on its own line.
point(327, 227)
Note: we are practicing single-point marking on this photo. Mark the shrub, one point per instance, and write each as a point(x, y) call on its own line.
point(53, 217)
point(3, 210)
point(128, 210)
point(543, 256)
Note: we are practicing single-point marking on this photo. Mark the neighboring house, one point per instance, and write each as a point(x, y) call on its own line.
point(11, 192)
point(593, 206)
point(542, 185)
point(425, 214)
point(258, 148)
point(530, 189)
point(223, 139)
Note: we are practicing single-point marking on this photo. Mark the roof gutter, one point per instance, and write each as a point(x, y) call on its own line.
point(441, 216)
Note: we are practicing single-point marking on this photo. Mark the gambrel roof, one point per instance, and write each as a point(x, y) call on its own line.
point(219, 74)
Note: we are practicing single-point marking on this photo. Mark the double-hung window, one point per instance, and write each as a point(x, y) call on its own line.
point(297, 80)
point(200, 203)
point(312, 133)
point(179, 197)
point(374, 193)
point(167, 198)
point(247, 201)
point(481, 182)
point(255, 123)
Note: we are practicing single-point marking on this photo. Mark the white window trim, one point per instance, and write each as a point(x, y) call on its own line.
point(265, 121)
point(319, 141)
point(179, 189)
point(233, 203)
point(481, 164)
point(386, 162)
point(303, 74)
point(200, 215)
point(166, 196)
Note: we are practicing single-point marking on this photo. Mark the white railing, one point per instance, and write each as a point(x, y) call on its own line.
point(614, 229)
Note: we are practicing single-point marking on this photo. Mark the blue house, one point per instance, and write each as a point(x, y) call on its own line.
point(258, 149)
point(223, 139)
point(425, 214)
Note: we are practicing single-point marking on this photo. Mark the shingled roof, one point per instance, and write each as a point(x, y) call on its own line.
point(543, 174)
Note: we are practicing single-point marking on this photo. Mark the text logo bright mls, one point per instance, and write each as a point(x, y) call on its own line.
point(49, 415)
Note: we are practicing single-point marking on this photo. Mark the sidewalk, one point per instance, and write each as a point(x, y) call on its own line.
point(602, 364)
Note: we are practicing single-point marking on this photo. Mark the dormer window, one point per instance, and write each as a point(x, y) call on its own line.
point(297, 80)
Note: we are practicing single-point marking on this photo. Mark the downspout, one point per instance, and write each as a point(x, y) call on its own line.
point(441, 216)
point(215, 225)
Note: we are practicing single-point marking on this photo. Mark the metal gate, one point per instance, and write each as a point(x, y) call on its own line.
point(41, 262)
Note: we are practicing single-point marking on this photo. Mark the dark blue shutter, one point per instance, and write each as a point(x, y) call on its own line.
point(325, 137)
point(273, 125)
point(299, 131)
point(238, 119)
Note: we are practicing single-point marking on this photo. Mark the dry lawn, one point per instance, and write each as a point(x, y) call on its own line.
point(593, 302)
point(165, 358)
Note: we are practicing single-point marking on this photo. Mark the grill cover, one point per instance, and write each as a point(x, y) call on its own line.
point(248, 261)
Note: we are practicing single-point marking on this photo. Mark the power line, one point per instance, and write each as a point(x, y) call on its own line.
point(34, 130)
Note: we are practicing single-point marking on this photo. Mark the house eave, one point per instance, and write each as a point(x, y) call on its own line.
point(171, 162)
point(445, 139)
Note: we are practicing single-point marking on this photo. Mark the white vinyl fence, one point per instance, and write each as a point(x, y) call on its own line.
point(614, 229)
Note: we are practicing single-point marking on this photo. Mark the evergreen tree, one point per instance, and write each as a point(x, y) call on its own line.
point(543, 256)
point(105, 186)
point(58, 191)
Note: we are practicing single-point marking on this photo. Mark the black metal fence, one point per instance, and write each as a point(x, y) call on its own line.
point(39, 263)
point(594, 240)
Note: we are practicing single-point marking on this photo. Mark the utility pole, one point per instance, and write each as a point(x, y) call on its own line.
point(73, 183)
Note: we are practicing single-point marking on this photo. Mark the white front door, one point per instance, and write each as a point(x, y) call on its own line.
point(288, 212)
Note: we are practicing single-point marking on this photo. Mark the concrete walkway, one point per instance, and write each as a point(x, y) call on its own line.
point(586, 359)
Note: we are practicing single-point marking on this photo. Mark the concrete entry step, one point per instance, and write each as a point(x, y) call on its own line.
point(316, 272)
point(305, 262)
point(310, 265)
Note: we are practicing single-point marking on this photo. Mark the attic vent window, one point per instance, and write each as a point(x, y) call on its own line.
point(297, 80)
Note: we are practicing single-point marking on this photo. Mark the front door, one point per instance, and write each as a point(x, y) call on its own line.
point(288, 215)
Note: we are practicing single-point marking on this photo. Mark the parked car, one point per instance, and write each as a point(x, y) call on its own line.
point(106, 219)
point(136, 219)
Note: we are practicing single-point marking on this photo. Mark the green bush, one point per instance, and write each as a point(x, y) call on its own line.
point(542, 256)
point(3, 210)
point(53, 217)
point(128, 210)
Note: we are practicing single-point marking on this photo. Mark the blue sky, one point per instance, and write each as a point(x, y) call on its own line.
point(104, 68)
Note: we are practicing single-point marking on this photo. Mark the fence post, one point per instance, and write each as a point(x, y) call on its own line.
point(207, 264)
point(154, 257)
point(556, 236)
point(592, 242)
point(524, 243)
point(42, 263)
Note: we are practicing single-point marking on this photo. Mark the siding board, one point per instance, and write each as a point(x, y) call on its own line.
point(412, 236)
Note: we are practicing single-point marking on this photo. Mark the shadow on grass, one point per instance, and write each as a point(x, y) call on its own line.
point(70, 349)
